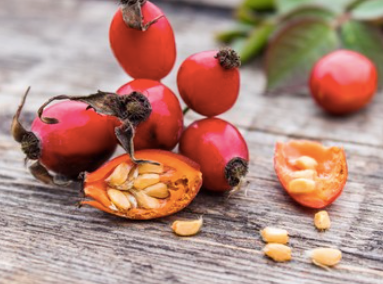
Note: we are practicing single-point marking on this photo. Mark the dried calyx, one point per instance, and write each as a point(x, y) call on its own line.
point(235, 171)
point(228, 58)
point(130, 109)
point(132, 14)
point(30, 145)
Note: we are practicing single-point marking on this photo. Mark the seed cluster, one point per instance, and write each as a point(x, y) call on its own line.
point(303, 180)
point(136, 186)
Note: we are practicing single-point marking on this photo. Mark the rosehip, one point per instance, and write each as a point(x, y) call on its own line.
point(220, 150)
point(82, 141)
point(142, 40)
point(343, 82)
point(209, 81)
point(163, 128)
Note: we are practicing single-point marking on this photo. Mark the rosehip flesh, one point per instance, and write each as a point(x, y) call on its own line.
point(221, 151)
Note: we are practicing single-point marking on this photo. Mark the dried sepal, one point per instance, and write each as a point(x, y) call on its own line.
point(228, 58)
point(132, 14)
point(40, 173)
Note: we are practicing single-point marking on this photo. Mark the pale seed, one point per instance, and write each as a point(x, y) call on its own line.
point(325, 257)
point(119, 175)
point(159, 190)
point(322, 220)
point(187, 228)
point(307, 174)
point(131, 198)
point(146, 201)
point(305, 163)
point(278, 252)
point(275, 235)
point(150, 169)
point(301, 186)
point(119, 199)
point(145, 180)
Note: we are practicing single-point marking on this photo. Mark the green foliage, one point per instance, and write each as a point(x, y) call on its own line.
point(294, 34)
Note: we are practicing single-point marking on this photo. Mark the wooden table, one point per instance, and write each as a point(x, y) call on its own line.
point(62, 47)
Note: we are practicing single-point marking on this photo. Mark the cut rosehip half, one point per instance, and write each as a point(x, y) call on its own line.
point(312, 174)
point(143, 191)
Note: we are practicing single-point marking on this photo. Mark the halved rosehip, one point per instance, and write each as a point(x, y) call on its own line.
point(143, 191)
point(312, 174)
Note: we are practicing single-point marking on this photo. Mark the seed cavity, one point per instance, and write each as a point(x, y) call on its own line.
point(187, 228)
point(325, 257)
point(146, 201)
point(150, 169)
point(322, 220)
point(119, 199)
point(159, 190)
point(131, 186)
point(278, 252)
point(119, 175)
point(145, 180)
point(302, 186)
point(305, 162)
point(307, 174)
point(275, 235)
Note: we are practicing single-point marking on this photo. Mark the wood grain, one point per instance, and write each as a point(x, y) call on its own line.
point(61, 47)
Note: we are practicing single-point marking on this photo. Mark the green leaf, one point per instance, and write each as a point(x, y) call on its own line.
point(240, 30)
point(259, 5)
point(368, 10)
point(337, 6)
point(286, 6)
point(248, 16)
point(365, 39)
point(295, 49)
point(309, 12)
point(256, 41)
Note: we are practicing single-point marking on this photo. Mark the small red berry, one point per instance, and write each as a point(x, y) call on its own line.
point(221, 151)
point(343, 82)
point(82, 141)
point(142, 40)
point(163, 128)
point(209, 81)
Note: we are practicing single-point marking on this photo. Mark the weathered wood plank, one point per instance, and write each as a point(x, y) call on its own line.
point(44, 238)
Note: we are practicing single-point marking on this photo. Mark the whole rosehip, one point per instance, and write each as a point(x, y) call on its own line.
point(343, 82)
point(163, 128)
point(209, 81)
point(142, 40)
point(82, 141)
point(219, 148)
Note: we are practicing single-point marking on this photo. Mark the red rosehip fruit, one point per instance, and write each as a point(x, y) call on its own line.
point(163, 128)
point(343, 82)
point(82, 141)
point(142, 40)
point(221, 151)
point(209, 81)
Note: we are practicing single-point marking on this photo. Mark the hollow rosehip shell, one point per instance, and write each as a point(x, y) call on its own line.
point(221, 151)
point(209, 81)
point(143, 191)
point(163, 128)
point(82, 141)
point(142, 40)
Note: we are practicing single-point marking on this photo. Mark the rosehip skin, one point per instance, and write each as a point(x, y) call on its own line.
point(164, 127)
point(343, 82)
point(147, 54)
point(207, 87)
point(82, 140)
point(213, 143)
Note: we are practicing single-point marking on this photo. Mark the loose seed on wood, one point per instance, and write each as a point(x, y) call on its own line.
point(325, 257)
point(187, 228)
point(275, 235)
point(278, 252)
point(322, 220)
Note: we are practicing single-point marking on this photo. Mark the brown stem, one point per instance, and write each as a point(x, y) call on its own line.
point(132, 14)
